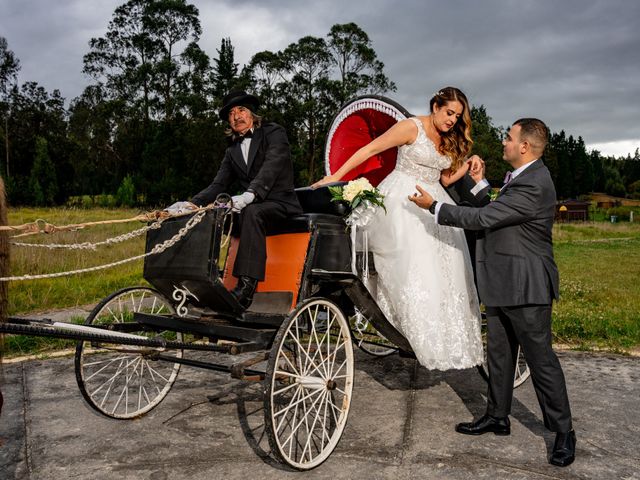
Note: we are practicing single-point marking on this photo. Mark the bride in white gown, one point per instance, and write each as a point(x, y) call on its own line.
point(425, 280)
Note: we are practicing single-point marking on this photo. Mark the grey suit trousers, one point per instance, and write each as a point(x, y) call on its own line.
point(530, 327)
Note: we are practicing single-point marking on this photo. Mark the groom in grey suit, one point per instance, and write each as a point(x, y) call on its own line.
point(517, 282)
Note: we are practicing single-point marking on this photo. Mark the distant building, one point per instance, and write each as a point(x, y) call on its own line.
point(572, 210)
point(604, 201)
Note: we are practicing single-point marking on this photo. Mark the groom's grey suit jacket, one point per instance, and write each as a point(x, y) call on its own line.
point(514, 250)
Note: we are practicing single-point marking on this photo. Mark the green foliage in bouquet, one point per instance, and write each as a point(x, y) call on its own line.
point(357, 191)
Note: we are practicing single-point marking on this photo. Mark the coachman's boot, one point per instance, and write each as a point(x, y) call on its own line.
point(244, 290)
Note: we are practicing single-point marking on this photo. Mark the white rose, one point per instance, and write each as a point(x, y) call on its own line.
point(350, 191)
point(355, 187)
point(364, 184)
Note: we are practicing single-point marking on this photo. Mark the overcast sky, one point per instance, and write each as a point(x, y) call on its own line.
point(573, 63)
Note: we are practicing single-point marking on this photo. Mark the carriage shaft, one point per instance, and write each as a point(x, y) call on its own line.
point(39, 328)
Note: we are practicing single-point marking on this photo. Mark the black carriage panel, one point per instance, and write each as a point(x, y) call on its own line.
point(190, 267)
point(330, 247)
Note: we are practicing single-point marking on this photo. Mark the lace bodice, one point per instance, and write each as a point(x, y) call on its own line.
point(420, 159)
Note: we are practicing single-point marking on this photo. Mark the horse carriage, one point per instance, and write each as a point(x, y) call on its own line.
point(296, 337)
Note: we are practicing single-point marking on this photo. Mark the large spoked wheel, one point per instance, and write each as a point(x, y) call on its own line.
point(367, 338)
point(308, 384)
point(122, 381)
point(522, 372)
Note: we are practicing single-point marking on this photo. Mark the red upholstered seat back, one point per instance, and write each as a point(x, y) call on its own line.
point(358, 122)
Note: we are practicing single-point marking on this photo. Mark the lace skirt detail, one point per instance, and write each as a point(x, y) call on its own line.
point(425, 280)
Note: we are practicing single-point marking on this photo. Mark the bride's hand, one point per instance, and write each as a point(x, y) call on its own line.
point(476, 168)
point(324, 181)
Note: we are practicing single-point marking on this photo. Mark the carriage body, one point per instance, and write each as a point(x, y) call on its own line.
point(197, 270)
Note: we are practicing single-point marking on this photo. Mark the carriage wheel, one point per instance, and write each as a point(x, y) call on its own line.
point(367, 338)
point(308, 384)
point(122, 381)
point(522, 372)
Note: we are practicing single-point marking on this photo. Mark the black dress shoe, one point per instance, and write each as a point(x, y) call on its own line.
point(564, 449)
point(244, 290)
point(486, 424)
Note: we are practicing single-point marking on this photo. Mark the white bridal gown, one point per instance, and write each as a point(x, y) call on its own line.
point(425, 280)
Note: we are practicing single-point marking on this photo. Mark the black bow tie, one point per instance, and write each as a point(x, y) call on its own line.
point(249, 134)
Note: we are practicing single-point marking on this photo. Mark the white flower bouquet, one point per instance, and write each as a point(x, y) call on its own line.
point(358, 192)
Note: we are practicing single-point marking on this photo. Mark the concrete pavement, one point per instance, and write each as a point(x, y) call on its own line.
point(401, 426)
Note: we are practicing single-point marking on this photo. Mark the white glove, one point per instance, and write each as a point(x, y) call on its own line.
point(180, 207)
point(241, 201)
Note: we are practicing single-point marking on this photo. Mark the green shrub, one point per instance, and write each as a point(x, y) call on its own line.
point(105, 201)
point(623, 213)
point(126, 194)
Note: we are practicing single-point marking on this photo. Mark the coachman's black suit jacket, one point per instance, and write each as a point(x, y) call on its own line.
point(268, 172)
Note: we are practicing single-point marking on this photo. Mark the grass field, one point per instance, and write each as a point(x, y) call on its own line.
point(599, 303)
point(68, 291)
point(599, 267)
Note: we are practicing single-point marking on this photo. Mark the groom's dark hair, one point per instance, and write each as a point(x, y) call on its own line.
point(533, 131)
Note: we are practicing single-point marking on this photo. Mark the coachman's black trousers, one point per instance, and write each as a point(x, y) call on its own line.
point(257, 220)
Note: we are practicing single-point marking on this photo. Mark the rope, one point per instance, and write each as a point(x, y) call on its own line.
point(161, 247)
point(42, 226)
point(92, 246)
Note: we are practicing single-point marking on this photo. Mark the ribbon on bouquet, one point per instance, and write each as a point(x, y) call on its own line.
point(361, 216)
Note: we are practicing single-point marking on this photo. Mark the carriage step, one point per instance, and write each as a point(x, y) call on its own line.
point(212, 327)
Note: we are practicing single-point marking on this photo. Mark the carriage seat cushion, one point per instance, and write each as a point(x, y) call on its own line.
point(307, 222)
point(318, 210)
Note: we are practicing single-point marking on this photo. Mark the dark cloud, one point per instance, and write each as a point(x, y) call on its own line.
point(573, 63)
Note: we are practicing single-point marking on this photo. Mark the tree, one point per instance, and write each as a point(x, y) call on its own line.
point(169, 23)
point(43, 185)
point(598, 172)
point(96, 164)
point(36, 113)
point(613, 183)
point(559, 148)
point(225, 70)
point(358, 68)
point(9, 68)
point(138, 60)
point(487, 143)
point(195, 89)
point(267, 74)
point(583, 168)
point(307, 63)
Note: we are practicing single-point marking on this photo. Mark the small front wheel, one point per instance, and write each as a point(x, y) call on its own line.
point(308, 384)
point(122, 381)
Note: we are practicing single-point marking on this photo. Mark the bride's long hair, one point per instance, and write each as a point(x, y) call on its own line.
point(457, 142)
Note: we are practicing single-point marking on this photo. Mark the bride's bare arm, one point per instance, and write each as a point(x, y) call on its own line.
point(447, 178)
point(400, 134)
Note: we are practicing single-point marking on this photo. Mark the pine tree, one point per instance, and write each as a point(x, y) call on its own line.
point(225, 70)
point(43, 184)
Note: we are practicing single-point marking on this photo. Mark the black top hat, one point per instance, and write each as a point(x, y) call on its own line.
point(235, 98)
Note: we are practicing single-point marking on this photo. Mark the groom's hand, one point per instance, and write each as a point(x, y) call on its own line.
point(422, 198)
point(476, 168)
